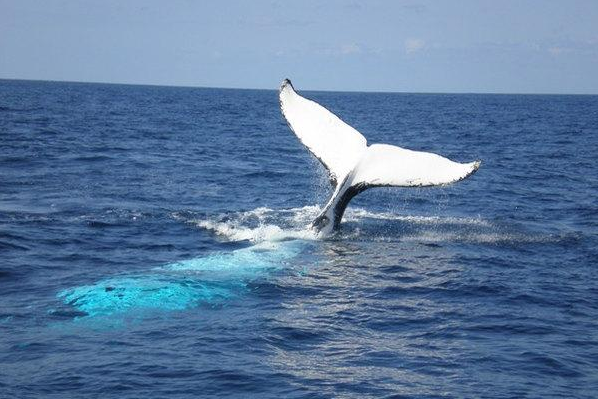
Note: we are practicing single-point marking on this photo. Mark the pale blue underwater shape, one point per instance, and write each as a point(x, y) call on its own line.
point(185, 284)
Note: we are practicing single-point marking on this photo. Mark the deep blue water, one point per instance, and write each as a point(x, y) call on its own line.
point(153, 244)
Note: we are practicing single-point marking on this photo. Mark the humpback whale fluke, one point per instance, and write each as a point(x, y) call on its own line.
point(353, 166)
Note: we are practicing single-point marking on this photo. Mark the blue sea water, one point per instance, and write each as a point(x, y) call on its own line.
point(153, 243)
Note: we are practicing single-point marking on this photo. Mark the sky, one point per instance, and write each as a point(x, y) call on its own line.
point(524, 46)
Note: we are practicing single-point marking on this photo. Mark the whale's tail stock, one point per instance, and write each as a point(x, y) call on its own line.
point(353, 166)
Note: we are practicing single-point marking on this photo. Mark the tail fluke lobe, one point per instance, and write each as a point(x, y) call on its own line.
point(386, 165)
point(335, 144)
point(352, 165)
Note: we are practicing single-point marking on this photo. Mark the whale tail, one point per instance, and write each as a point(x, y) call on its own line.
point(352, 165)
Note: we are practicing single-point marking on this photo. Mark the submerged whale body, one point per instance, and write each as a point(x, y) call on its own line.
point(355, 166)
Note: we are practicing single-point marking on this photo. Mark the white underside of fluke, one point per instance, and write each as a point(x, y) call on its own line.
point(352, 164)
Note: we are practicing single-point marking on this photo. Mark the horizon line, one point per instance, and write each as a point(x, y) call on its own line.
point(310, 90)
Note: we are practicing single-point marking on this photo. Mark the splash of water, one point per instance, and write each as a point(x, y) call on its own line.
point(263, 225)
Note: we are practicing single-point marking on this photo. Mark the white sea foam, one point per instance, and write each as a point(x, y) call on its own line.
point(355, 214)
point(264, 232)
point(263, 225)
point(489, 237)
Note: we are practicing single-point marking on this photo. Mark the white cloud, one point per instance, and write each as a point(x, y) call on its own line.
point(413, 45)
point(351, 48)
point(415, 8)
point(556, 50)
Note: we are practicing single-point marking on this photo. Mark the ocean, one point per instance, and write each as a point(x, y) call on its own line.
point(154, 243)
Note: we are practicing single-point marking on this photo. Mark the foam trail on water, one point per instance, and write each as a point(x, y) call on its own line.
point(270, 225)
point(357, 214)
point(267, 232)
point(263, 224)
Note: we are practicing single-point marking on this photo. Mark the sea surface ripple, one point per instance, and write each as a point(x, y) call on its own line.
point(154, 244)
